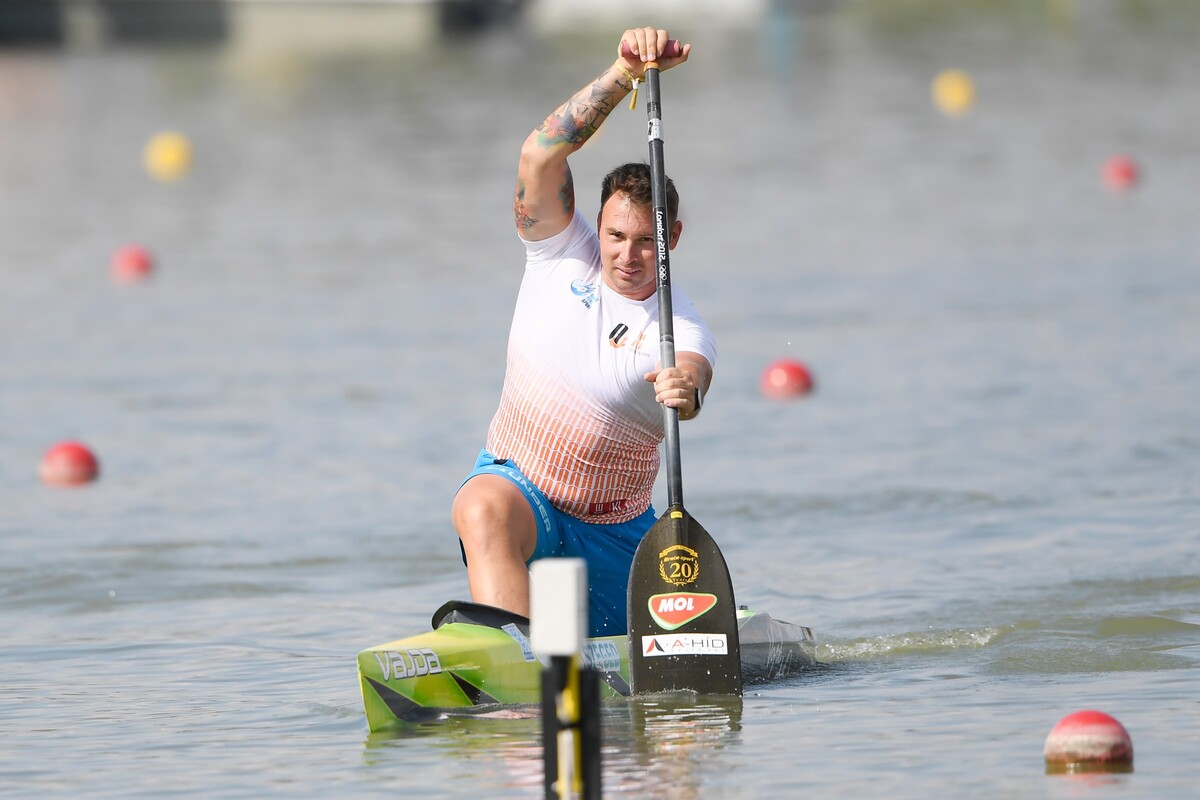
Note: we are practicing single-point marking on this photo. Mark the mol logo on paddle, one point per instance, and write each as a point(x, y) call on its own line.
point(670, 611)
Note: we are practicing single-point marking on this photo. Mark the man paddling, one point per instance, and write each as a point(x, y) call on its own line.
point(572, 451)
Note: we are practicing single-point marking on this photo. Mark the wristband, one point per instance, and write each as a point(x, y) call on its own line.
point(633, 80)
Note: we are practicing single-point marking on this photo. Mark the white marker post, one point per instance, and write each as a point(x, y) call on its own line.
point(570, 692)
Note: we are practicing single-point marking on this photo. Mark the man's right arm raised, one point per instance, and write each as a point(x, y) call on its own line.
point(544, 201)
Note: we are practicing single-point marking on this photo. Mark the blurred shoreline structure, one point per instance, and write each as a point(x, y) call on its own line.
point(321, 24)
point(300, 23)
point(362, 25)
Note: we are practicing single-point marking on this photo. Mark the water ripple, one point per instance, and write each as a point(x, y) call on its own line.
point(905, 644)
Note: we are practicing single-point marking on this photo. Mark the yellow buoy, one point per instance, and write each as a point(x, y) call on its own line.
point(168, 156)
point(953, 92)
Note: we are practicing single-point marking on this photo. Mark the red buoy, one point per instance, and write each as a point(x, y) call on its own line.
point(69, 464)
point(1120, 173)
point(132, 263)
point(1088, 741)
point(785, 378)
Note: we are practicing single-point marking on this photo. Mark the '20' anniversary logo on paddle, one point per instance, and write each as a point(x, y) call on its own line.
point(679, 565)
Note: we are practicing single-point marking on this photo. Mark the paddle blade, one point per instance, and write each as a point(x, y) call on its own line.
point(683, 633)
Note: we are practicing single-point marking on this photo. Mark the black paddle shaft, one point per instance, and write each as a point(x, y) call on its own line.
point(683, 626)
point(662, 261)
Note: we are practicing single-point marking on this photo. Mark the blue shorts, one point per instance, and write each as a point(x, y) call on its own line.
point(607, 548)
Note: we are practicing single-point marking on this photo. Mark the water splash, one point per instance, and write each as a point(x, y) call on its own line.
point(913, 643)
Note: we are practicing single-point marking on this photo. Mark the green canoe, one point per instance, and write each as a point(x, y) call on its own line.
point(477, 658)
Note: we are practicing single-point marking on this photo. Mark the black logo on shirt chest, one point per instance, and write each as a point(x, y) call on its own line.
point(618, 339)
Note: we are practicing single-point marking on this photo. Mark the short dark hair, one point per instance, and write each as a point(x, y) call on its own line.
point(633, 179)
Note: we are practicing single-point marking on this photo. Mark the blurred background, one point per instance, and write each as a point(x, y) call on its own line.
point(314, 186)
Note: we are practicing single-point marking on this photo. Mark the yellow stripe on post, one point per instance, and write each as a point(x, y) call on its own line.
point(570, 749)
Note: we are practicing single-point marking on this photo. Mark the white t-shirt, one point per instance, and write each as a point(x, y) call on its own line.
point(576, 412)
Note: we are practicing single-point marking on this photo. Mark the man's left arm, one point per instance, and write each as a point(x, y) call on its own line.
point(683, 386)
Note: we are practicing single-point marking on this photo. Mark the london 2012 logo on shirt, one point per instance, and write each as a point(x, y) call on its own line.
point(586, 292)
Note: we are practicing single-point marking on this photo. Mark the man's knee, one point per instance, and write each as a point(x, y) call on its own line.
point(489, 511)
point(486, 501)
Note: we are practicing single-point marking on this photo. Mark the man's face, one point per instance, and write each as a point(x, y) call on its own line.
point(627, 260)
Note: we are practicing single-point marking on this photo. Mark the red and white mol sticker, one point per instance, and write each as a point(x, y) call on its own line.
point(685, 644)
point(670, 611)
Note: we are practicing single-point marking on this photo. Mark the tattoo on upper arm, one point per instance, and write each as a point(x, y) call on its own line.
point(524, 220)
point(566, 194)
